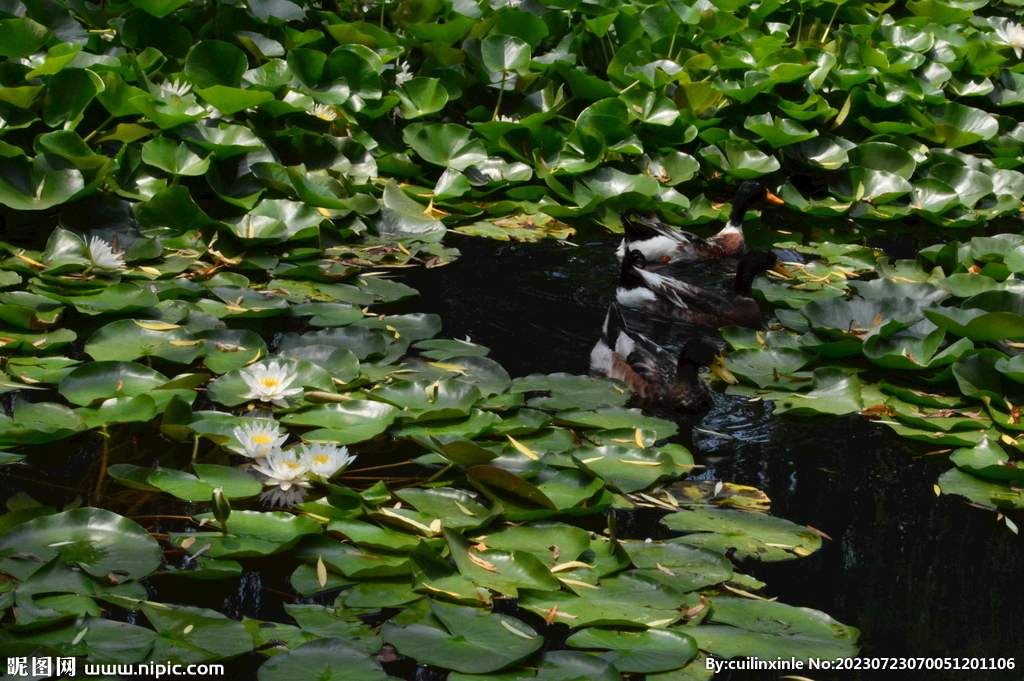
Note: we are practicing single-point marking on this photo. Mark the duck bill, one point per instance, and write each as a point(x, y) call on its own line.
point(772, 198)
point(718, 369)
point(781, 270)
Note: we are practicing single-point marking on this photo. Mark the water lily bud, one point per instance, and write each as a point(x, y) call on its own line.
point(221, 508)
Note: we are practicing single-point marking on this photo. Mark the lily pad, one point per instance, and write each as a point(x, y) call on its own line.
point(748, 534)
point(130, 339)
point(478, 641)
point(654, 650)
point(324, 659)
point(99, 541)
point(744, 625)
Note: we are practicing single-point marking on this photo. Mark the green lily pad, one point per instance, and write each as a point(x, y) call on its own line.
point(745, 626)
point(251, 534)
point(833, 391)
point(988, 460)
point(458, 509)
point(190, 635)
point(230, 349)
point(957, 125)
point(40, 422)
point(478, 641)
point(681, 566)
point(325, 659)
point(345, 423)
point(739, 159)
point(99, 541)
point(654, 650)
point(504, 571)
point(423, 401)
point(569, 392)
point(130, 339)
point(235, 484)
point(748, 534)
point(102, 380)
point(626, 469)
point(996, 495)
point(616, 417)
point(626, 600)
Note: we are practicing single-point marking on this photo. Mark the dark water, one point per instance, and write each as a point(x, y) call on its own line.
point(919, 575)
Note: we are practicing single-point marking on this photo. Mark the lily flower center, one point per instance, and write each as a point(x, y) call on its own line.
point(270, 382)
point(262, 439)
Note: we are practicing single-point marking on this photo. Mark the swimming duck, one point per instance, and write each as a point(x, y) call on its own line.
point(661, 243)
point(674, 299)
point(651, 372)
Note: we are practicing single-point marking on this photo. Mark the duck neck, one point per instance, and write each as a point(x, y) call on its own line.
point(630, 278)
point(744, 281)
point(734, 226)
point(686, 371)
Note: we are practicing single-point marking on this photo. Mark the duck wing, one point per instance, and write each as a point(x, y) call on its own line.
point(659, 242)
point(658, 228)
point(653, 363)
point(679, 294)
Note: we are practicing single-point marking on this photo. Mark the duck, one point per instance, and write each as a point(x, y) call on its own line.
point(660, 380)
point(662, 244)
point(671, 298)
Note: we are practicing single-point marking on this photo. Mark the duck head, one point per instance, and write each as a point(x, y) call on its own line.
point(748, 194)
point(753, 263)
point(701, 352)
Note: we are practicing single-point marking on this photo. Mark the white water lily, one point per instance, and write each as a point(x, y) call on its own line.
point(323, 111)
point(404, 75)
point(258, 439)
point(269, 382)
point(325, 460)
point(176, 87)
point(1012, 34)
point(102, 255)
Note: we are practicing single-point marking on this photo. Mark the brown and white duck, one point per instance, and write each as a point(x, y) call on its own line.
point(662, 244)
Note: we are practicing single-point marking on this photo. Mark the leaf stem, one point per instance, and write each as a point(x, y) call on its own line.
point(501, 93)
point(98, 129)
point(828, 28)
point(97, 491)
point(438, 474)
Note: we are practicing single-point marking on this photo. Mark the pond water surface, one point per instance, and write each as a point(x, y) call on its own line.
point(919, 575)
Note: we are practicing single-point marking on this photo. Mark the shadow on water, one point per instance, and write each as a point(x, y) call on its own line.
point(919, 575)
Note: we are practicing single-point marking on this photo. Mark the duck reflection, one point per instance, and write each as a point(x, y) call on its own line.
point(671, 298)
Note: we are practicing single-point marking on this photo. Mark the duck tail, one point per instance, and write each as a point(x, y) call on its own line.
point(614, 324)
